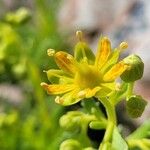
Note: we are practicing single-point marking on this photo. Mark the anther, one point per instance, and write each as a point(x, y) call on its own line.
point(44, 85)
point(69, 57)
point(81, 94)
point(57, 99)
point(79, 35)
point(118, 86)
point(123, 45)
point(50, 52)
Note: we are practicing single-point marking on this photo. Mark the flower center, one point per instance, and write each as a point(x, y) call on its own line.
point(87, 77)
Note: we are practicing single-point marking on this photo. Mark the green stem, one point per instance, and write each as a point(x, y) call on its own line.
point(108, 132)
point(111, 115)
point(110, 110)
point(83, 135)
point(130, 89)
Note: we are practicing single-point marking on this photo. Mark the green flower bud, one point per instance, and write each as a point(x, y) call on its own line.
point(70, 144)
point(135, 106)
point(71, 121)
point(135, 70)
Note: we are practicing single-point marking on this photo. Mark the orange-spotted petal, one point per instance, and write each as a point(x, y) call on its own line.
point(104, 50)
point(57, 88)
point(115, 71)
point(112, 60)
point(65, 62)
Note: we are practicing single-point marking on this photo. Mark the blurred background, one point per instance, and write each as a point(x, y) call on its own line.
point(29, 118)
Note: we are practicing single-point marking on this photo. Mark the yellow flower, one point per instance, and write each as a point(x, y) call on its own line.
point(84, 75)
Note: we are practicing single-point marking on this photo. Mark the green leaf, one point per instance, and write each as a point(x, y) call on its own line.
point(118, 143)
point(142, 132)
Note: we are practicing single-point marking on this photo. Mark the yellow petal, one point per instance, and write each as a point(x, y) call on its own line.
point(92, 92)
point(103, 53)
point(112, 60)
point(57, 88)
point(110, 85)
point(87, 93)
point(68, 98)
point(115, 71)
point(65, 62)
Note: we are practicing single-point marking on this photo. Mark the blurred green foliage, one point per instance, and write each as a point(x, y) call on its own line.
point(25, 35)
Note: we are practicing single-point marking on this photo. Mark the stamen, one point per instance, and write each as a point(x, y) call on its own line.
point(85, 60)
point(105, 41)
point(81, 94)
point(79, 35)
point(44, 85)
point(57, 99)
point(50, 52)
point(69, 57)
point(118, 86)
